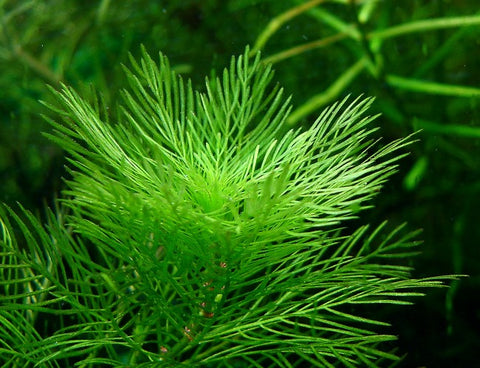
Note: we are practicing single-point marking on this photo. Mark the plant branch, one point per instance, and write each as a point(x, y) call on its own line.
point(423, 26)
point(332, 92)
point(424, 86)
point(278, 21)
point(294, 51)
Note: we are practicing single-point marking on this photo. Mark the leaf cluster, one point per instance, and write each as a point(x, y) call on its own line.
point(197, 230)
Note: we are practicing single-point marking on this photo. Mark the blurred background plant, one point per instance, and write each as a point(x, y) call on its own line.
point(417, 57)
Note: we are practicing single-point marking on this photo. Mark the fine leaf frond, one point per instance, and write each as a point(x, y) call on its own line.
point(196, 229)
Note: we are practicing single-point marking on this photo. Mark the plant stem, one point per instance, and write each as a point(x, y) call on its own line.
point(330, 94)
point(424, 25)
point(417, 85)
point(278, 21)
point(448, 129)
point(305, 47)
point(43, 70)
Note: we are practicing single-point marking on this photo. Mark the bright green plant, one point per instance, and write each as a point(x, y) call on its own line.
point(198, 231)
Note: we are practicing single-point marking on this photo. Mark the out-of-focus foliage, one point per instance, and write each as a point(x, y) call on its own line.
point(424, 76)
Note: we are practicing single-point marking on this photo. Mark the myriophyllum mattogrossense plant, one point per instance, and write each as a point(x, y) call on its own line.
point(196, 230)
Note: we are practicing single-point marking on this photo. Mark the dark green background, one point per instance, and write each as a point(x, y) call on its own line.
point(84, 42)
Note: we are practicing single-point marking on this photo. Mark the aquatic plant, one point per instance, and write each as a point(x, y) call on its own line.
point(198, 230)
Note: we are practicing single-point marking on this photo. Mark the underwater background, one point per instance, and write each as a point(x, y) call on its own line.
point(419, 59)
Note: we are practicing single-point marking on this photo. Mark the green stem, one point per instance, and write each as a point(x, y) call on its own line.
point(37, 66)
point(278, 21)
point(417, 85)
point(442, 52)
point(304, 48)
point(330, 94)
point(448, 129)
point(425, 25)
point(102, 11)
point(336, 23)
